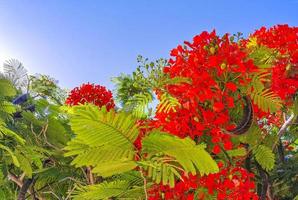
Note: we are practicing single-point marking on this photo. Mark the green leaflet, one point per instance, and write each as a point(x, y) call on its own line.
point(263, 56)
point(54, 174)
point(136, 92)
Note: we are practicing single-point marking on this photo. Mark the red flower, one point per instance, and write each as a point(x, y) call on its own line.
point(231, 86)
point(218, 106)
point(228, 145)
point(216, 149)
point(90, 93)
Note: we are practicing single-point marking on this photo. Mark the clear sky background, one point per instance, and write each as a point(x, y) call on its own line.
point(78, 41)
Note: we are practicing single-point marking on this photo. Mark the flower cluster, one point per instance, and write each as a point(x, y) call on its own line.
point(216, 67)
point(91, 93)
point(284, 40)
point(230, 183)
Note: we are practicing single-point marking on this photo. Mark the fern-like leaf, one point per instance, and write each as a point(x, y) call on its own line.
point(266, 100)
point(139, 104)
point(253, 136)
point(264, 156)
point(12, 155)
point(25, 163)
point(107, 190)
point(160, 170)
point(237, 152)
point(9, 133)
point(102, 137)
point(167, 103)
point(185, 152)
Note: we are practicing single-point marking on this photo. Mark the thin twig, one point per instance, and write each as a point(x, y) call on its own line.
point(145, 184)
point(70, 192)
point(90, 176)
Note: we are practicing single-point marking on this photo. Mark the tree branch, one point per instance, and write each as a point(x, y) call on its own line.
point(283, 129)
point(24, 189)
point(15, 179)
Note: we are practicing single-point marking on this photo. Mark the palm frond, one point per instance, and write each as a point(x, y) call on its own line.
point(16, 73)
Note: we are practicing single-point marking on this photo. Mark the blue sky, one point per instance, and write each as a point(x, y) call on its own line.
point(78, 41)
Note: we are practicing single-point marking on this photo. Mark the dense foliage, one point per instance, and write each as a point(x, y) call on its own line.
point(218, 120)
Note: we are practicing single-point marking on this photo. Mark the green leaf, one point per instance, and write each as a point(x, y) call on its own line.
point(102, 137)
point(252, 137)
point(139, 104)
point(7, 107)
point(105, 190)
point(162, 172)
point(167, 103)
point(25, 164)
point(262, 56)
point(56, 133)
point(265, 157)
point(6, 88)
point(266, 100)
point(54, 174)
point(124, 186)
point(187, 154)
point(12, 155)
point(7, 132)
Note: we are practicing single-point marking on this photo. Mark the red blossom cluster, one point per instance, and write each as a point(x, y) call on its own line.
point(284, 40)
point(209, 62)
point(215, 66)
point(230, 183)
point(91, 93)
